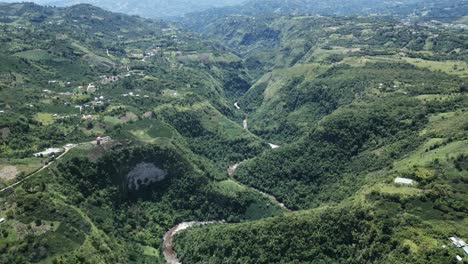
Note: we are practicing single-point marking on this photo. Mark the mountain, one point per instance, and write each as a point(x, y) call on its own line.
point(355, 103)
point(148, 8)
point(179, 8)
point(441, 10)
point(141, 114)
point(249, 135)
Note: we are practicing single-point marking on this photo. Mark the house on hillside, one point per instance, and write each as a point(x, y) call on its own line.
point(2, 220)
point(458, 242)
point(50, 152)
point(109, 79)
point(91, 88)
point(404, 181)
point(465, 248)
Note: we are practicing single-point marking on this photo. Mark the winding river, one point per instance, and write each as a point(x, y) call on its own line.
point(168, 246)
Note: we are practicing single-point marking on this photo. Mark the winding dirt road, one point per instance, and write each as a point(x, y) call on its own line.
point(168, 249)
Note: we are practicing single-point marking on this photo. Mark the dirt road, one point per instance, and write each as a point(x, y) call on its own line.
point(168, 250)
point(67, 148)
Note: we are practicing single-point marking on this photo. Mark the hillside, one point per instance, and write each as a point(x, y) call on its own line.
point(271, 132)
point(354, 103)
point(134, 105)
point(148, 8)
point(445, 11)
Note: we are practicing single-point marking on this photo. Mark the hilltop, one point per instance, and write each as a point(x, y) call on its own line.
point(146, 8)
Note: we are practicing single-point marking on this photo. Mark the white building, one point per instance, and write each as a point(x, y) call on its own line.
point(48, 152)
point(404, 181)
point(457, 241)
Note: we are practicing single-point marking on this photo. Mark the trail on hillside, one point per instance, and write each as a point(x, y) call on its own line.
point(232, 170)
point(66, 148)
point(168, 249)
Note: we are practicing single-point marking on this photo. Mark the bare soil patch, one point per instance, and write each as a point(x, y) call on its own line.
point(8, 173)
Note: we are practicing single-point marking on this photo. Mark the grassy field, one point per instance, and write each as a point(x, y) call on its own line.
point(44, 118)
point(403, 191)
point(148, 130)
point(277, 79)
point(25, 166)
point(230, 188)
point(151, 251)
point(112, 120)
point(450, 124)
point(437, 97)
point(459, 68)
point(34, 55)
point(421, 157)
point(219, 123)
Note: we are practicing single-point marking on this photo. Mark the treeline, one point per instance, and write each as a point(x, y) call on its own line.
point(81, 194)
point(338, 147)
point(211, 135)
point(328, 235)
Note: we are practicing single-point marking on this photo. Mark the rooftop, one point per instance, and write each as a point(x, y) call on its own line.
point(404, 181)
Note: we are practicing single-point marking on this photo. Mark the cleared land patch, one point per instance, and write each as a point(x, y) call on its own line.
point(8, 173)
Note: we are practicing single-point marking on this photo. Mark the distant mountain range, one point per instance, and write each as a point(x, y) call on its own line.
point(218, 8)
point(145, 8)
point(420, 10)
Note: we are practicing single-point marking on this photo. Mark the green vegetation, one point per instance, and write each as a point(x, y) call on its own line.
point(160, 126)
point(363, 102)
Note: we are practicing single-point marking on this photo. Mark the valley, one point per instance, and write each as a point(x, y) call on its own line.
point(265, 132)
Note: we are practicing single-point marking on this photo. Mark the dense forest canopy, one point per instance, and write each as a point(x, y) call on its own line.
point(267, 131)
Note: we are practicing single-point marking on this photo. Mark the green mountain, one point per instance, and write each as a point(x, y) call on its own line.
point(272, 132)
point(150, 9)
point(413, 10)
point(162, 95)
point(355, 104)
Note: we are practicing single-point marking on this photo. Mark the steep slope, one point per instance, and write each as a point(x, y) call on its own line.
point(275, 42)
point(342, 103)
point(364, 103)
point(414, 10)
point(109, 103)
